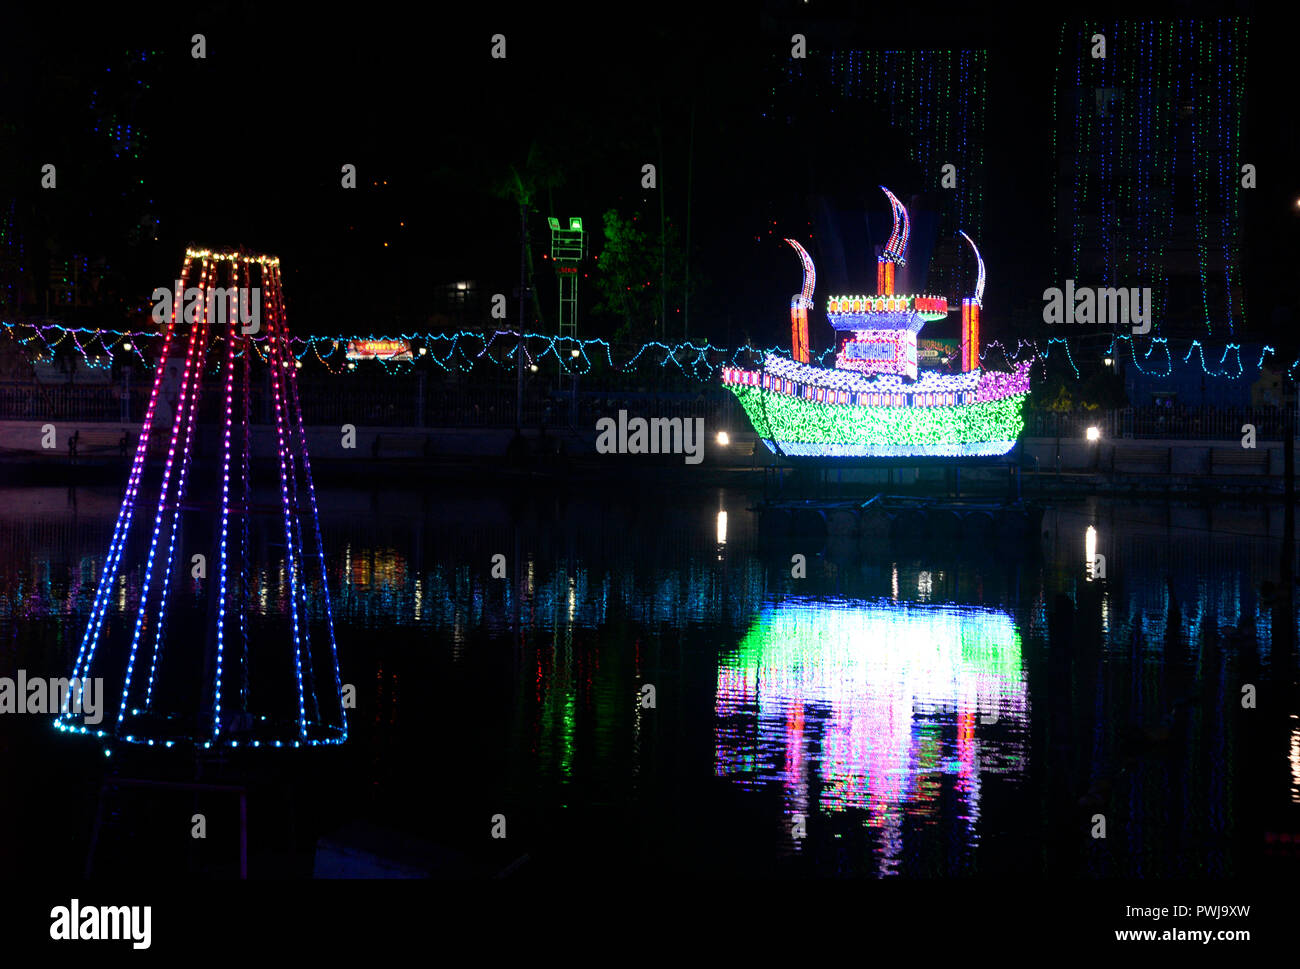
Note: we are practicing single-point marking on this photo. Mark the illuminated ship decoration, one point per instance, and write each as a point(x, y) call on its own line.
point(875, 403)
point(201, 632)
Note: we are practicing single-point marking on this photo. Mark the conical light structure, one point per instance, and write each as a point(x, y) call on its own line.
point(211, 624)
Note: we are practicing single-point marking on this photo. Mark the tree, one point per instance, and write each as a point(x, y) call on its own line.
point(523, 185)
point(637, 277)
point(624, 269)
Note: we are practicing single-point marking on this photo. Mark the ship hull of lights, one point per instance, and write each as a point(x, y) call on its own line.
point(184, 655)
point(966, 415)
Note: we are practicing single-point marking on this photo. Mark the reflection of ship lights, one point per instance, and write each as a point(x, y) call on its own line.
point(1090, 551)
point(722, 528)
point(878, 698)
point(1295, 762)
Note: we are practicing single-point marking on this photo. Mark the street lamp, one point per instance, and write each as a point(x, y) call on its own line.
point(1109, 362)
point(1094, 435)
point(724, 438)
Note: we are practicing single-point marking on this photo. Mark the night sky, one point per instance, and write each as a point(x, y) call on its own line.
point(245, 147)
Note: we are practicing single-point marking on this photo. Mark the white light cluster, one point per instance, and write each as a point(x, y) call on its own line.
point(803, 373)
point(800, 449)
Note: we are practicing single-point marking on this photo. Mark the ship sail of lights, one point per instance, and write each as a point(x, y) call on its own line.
point(874, 403)
point(180, 643)
point(877, 699)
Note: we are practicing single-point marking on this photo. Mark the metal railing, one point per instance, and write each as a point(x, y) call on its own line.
point(419, 400)
point(1153, 423)
point(392, 401)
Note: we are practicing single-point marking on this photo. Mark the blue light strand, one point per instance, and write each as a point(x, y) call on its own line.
point(231, 323)
point(296, 505)
point(320, 545)
point(192, 362)
point(276, 368)
point(176, 511)
point(246, 513)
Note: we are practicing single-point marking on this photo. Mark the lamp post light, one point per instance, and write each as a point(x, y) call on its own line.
point(1093, 435)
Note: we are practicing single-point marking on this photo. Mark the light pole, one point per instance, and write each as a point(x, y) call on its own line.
point(573, 400)
point(523, 298)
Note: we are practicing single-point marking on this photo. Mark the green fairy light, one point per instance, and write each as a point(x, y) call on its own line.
point(802, 421)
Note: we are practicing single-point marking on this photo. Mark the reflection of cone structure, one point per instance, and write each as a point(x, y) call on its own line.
point(242, 654)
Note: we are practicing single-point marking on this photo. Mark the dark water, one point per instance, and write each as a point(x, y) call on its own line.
point(923, 710)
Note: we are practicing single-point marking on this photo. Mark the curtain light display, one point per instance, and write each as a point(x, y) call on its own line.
point(1156, 138)
point(194, 668)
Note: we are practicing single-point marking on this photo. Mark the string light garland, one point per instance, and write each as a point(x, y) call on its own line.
point(466, 351)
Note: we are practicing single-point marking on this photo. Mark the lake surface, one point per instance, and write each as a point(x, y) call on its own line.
point(912, 709)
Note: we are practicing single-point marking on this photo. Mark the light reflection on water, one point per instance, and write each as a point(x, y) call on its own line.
point(907, 703)
point(880, 700)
